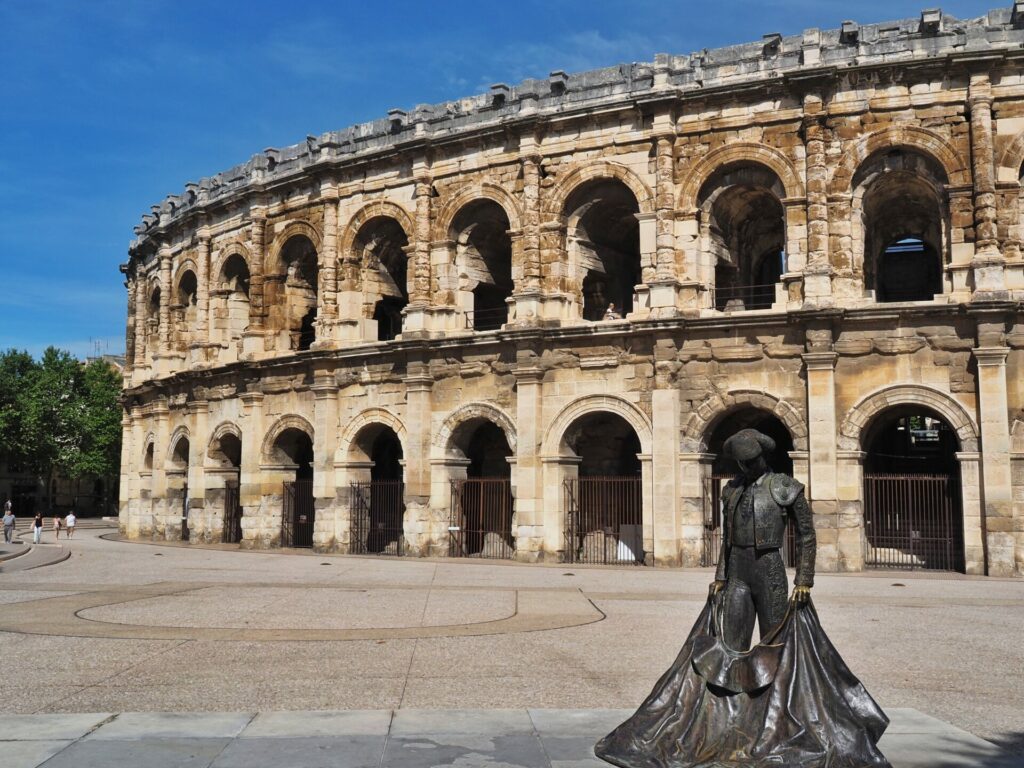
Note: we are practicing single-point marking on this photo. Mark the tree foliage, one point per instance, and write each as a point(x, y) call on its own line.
point(58, 416)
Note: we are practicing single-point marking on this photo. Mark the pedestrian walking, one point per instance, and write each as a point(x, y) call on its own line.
point(37, 528)
point(70, 521)
point(56, 527)
point(9, 522)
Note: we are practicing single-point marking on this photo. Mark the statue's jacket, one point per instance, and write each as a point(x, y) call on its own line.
point(776, 497)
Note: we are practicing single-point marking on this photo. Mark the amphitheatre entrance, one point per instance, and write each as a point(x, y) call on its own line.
point(482, 503)
point(294, 450)
point(377, 499)
point(912, 504)
point(604, 502)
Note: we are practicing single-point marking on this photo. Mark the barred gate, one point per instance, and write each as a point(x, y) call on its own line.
point(712, 535)
point(481, 522)
point(913, 521)
point(184, 513)
point(377, 510)
point(604, 520)
point(232, 513)
point(298, 514)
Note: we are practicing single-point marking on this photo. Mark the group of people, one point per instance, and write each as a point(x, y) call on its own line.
point(67, 524)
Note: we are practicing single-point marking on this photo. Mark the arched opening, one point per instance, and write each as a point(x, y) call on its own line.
point(604, 502)
point(743, 226)
point(147, 460)
point(604, 239)
point(292, 292)
point(723, 470)
point(185, 309)
point(483, 253)
point(293, 452)
point(177, 484)
point(380, 248)
point(482, 502)
point(377, 501)
point(913, 515)
point(903, 214)
point(229, 301)
point(226, 453)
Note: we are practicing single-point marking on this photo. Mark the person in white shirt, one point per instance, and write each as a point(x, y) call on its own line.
point(69, 521)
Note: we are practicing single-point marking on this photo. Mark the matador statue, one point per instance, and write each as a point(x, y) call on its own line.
point(756, 505)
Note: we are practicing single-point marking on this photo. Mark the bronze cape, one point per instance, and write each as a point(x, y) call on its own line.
point(789, 701)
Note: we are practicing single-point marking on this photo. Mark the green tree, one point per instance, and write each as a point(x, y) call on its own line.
point(15, 369)
point(99, 453)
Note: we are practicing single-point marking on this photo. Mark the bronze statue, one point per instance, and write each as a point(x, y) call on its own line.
point(750, 568)
point(788, 701)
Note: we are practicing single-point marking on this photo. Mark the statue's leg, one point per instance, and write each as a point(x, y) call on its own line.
point(738, 606)
point(770, 589)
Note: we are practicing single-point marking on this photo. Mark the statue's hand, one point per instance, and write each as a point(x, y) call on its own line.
point(801, 594)
point(715, 587)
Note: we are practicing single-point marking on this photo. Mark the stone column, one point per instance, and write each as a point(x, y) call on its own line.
point(199, 522)
point(161, 427)
point(419, 523)
point(141, 320)
point(325, 444)
point(161, 356)
point(420, 284)
point(327, 313)
point(817, 205)
point(997, 486)
point(528, 295)
point(250, 490)
point(850, 498)
point(666, 507)
point(203, 289)
point(987, 265)
point(694, 475)
point(252, 338)
point(130, 329)
point(821, 427)
point(529, 492)
point(970, 505)
point(128, 484)
point(666, 298)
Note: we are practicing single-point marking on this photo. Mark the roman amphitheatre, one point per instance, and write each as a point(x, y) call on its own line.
point(520, 325)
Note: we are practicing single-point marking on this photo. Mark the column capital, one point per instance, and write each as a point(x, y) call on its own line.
point(820, 361)
point(991, 356)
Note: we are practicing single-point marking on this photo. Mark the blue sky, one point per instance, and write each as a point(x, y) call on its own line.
point(106, 107)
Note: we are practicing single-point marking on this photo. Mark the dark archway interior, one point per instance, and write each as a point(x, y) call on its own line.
point(228, 451)
point(481, 234)
point(188, 289)
point(235, 275)
point(606, 444)
point(903, 218)
point(386, 455)
point(381, 244)
point(607, 234)
point(294, 446)
point(147, 461)
point(488, 452)
point(751, 418)
point(747, 229)
point(179, 457)
point(910, 440)
point(302, 271)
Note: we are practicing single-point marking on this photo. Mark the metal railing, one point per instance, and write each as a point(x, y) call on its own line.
point(232, 513)
point(481, 521)
point(604, 520)
point(913, 521)
point(740, 298)
point(298, 514)
point(487, 319)
point(377, 511)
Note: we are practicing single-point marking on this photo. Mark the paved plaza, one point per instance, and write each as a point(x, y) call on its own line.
point(538, 661)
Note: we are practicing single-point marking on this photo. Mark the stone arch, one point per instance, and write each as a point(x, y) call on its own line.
point(1011, 159)
point(556, 201)
point(290, 421)
point(701, 421)
point(186, 265)
point(630, 413)
point(292, 229)
point(471, 411)
point(471, 193)
point(224, 428)
point(367, 418)
point(733, 154)
point(176, 437)
point(148, 445)
point(226, 252)
point(910, 137)
point(373, 210)
point(868, 407)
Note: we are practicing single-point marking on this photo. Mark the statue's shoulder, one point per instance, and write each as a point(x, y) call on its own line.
point(784, 489)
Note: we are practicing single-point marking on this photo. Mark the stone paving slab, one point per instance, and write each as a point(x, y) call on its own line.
point(512, 738)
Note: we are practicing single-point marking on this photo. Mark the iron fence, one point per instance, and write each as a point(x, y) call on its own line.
point(232, 513)
point(184, 513)
point(377, 510)
point(739, 298)
point(298, 514)
point(604, 520)
point(481, 521)
point(487, 319)
point(913, 521)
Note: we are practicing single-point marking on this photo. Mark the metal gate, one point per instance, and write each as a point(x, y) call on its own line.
point(604, 520)
point(184, 513)
point(913, 521)
point(298, 514)
point(481, 523)
point(377, 510)
point(232, 513)
point(712, 535)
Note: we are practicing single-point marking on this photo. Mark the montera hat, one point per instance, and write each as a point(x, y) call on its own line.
point(748, 444)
